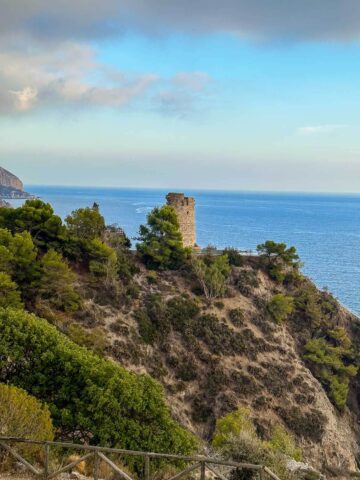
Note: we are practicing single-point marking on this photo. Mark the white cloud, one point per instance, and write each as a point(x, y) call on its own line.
point(319, 129)
point(60, 76)
point(25, 98)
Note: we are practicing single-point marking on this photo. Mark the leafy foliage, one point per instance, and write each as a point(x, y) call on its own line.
point(283, 442)
point(85, 223)
point(19, 260)
point(56, 284)
point(38, 219)
point(160, 240)
point(212, 274)
point(277, 257)
point(332, 360)
point(9, 294)
point(280, 307)
point(236, 438)
point(88, 396)
point(232, 425)
point(94, 339)
point(234, 256)
point(23, 416)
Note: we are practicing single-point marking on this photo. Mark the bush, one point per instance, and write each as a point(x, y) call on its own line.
point(38, 219)
point(212, 275)
point(23, 416)
point(276, 257)
point(332, 361)
point(234, 256)
point(246, 281)
point(280, 307)
point(181, 312)
point(236, 438)
point(89, 397)
point(94, 339)
point(236, 316)
point(283, 442)
point(19, 259)
point(85, 223)
point(103, 260)
point(9, 294)
point(56, 285)
point(308, 424)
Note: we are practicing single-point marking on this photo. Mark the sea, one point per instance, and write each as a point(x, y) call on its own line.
point(325, 228)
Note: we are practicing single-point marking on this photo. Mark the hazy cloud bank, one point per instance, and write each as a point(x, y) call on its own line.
point(307, 20)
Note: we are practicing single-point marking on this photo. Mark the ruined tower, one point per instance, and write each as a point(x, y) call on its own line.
point(185, 209)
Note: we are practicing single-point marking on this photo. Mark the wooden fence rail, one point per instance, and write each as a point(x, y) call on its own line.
point(200, 464)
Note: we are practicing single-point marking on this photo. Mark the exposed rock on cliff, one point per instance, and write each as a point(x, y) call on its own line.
point(4, 204)
point(11, 186)
point(8, 179)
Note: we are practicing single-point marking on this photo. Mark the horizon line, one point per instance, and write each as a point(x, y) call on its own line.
point(199, 189)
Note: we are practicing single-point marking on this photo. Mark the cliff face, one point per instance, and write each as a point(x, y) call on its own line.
point(8, 179)
point(212, 358)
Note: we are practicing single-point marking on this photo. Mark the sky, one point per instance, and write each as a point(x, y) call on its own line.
point(237, 94)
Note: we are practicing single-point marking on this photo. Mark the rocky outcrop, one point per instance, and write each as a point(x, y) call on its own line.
point(8, 179)
point(11, 186)
point(4, 204)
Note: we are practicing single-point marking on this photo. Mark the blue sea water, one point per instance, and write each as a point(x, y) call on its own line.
point(325, 228)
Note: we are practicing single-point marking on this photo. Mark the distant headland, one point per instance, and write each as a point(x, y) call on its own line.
point(11, 187)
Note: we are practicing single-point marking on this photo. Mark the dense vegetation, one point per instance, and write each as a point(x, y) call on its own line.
point(88, 397)
point(236, 437)
point(71, 272)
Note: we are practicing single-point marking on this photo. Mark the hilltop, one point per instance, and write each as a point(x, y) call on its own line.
point(218, 330)
point(11, 186)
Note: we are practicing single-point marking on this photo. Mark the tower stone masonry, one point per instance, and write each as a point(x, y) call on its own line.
point(185, 210)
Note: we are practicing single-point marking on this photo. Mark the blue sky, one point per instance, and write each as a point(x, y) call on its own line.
point(157, 98)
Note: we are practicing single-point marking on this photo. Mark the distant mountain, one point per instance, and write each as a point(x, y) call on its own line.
point(11, 186)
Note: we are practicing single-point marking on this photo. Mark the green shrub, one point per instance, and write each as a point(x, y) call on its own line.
point(57, 283)
point(283, 442)
point(85, 223)
point(219, 305)
point(234, 256)
point(147, 330)
point(88, 396)
point(236, 316)
point(94, 339)
point(309, 424)
point(38, 219)
point(151, 276)
point(246, 281)
point(236, 438)
point(103, 259)
point(9, 294)
point(332, 361)
point(232, 425)
point(181, 312)
point(212, 274)
point(280, 307)
point(23, 416)
point(277, 259)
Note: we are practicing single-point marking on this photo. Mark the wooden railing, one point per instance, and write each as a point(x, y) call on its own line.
point(203, 465)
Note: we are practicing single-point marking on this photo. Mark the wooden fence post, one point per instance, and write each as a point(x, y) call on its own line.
point(202, 471)
point(96, 466)
point(147, 468)
point(46, 465)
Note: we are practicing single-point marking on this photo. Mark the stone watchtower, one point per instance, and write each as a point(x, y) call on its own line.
point(185, 209)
